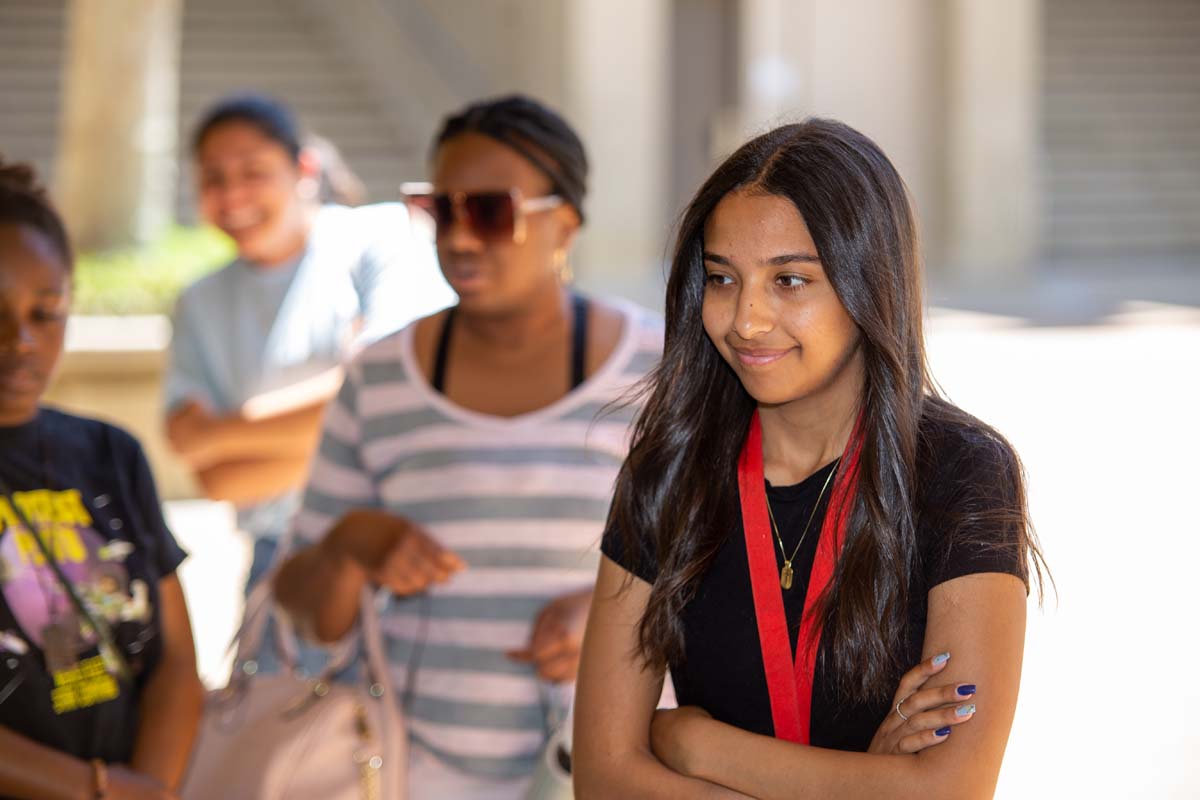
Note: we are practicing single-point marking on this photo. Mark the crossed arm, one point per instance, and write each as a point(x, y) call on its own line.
point(260, 451)
point(625, 750)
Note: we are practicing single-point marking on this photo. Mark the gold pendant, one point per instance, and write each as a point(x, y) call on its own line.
point(785, 575)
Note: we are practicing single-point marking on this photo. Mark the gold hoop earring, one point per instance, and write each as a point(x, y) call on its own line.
point(563, 267)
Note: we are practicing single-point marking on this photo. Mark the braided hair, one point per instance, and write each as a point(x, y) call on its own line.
point(24, 202)
point(540, 135)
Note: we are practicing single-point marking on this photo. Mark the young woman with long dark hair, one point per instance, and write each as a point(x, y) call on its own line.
point(801, 514)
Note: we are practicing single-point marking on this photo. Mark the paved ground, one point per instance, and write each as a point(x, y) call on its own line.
point(212, 576)
point(1105, 418)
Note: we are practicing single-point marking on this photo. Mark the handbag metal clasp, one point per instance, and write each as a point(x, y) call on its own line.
point(317, 689)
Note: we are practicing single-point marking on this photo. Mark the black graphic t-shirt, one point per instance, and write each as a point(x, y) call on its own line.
point(87, 488)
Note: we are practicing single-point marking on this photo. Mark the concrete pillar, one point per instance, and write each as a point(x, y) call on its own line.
point(117, 162)
point(876, 66)
point(993, 203)
point(775, 42)
point(617, 70)
point(879, 67)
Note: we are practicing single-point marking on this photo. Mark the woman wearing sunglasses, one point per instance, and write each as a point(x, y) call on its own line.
point(463, 466)
point(99, 695)
point(801, 514)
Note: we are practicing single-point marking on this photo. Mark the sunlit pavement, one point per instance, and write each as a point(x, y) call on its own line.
point(212, 576)
point(1105, 418)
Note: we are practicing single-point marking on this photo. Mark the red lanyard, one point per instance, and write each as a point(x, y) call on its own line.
point(789, 685)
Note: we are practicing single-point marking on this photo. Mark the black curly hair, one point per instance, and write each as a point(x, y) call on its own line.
point(23, 201)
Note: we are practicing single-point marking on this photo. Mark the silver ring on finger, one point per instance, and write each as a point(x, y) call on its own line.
point(898, 711)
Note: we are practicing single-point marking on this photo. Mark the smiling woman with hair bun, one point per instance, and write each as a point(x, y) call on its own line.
point(464, 469)
point(258, 345)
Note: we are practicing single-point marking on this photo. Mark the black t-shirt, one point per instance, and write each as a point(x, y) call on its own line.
point(87, 486)
point(961, 473)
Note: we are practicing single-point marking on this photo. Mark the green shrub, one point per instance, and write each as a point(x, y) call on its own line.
point(147, 280)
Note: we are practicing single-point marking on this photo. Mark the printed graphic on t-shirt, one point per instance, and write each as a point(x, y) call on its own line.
point(41, 607)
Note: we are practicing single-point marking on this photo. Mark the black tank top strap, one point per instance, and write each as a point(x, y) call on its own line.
point(579, 328)
point(443, 354)
point(579, 341)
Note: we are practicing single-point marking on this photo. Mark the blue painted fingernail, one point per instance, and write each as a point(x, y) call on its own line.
point(966, 689)
point(942, 732)
point(965, 710)
point(940, 659)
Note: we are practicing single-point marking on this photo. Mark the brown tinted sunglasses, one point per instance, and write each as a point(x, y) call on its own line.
point(491, 216)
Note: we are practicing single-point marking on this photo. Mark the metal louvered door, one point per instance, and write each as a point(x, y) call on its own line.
point(1121, 117)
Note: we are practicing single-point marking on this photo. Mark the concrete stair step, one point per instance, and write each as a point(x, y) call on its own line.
point(1154, 204)
point(14, 90)
point(220, 38)
point(17, 36)
point(1150, 215)
point(1080, 229)
point(227, 45)
point(226, 16)
point(265, 58)
point(1122, 140)
point(1121, 108)
point(41, 56)
point(1118, 107)
point(288, 83)
point(1106, 240)
point(1137, 251)
point(1120, 155)
point(1096, 192)
point(31, 15)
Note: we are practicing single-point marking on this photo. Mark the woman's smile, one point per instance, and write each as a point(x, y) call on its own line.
point(759, 356)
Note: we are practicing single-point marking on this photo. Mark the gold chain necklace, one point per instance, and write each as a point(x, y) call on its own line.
point(786, 574)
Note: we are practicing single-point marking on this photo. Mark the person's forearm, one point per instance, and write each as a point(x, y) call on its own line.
point(170, 708)
point(32, 771)
point(639, 774)
point(293, 433)
point(235, 436)
point(252, 481)
point(320, 587)
point(317, 390)
point(771, 769)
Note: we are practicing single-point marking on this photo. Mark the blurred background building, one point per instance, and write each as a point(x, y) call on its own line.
point(1035, 134)
point(1051, 146)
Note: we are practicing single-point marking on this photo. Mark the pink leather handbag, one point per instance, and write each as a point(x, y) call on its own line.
point(283, 737)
